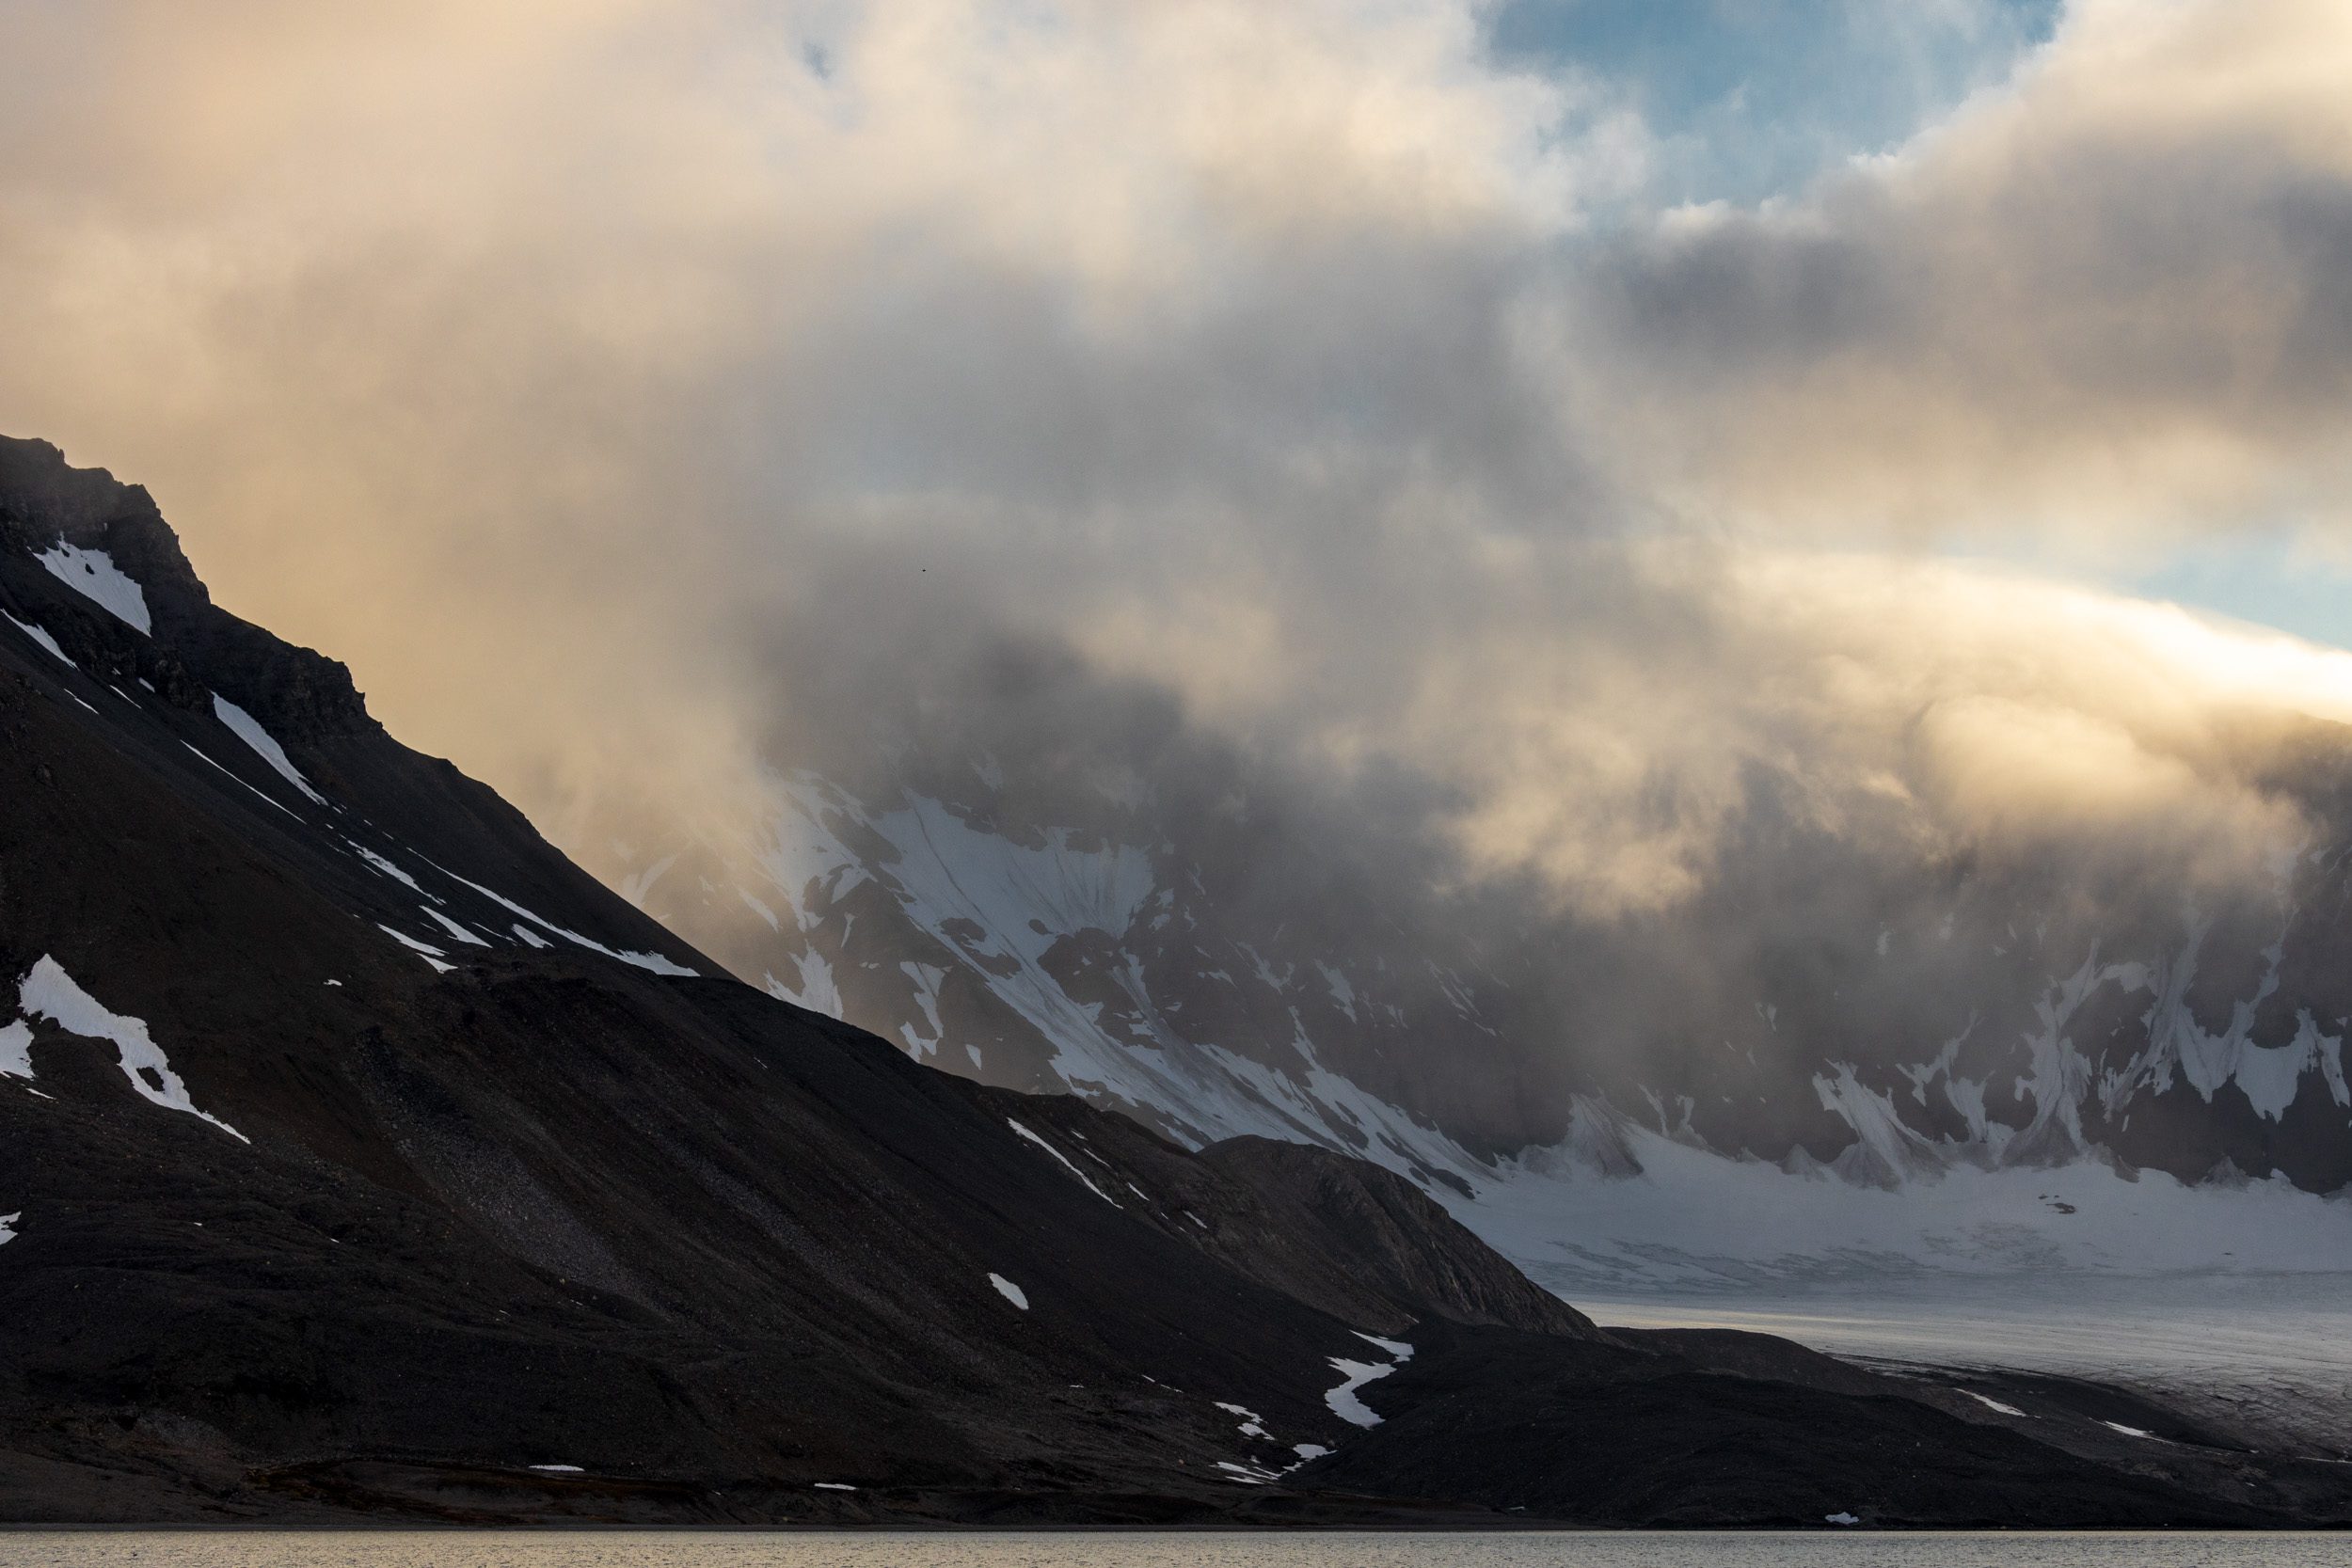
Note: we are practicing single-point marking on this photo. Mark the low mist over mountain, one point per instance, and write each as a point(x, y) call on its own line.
point(1093, 896)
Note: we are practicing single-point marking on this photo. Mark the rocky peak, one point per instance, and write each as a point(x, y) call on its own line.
point(195, 647)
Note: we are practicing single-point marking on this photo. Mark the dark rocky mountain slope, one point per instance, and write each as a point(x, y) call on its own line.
point(362, 1159)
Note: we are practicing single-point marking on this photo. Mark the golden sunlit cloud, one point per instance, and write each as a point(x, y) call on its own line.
point(560, 364)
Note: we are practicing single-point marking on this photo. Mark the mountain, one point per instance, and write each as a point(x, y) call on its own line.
point(1975, 1029)
point(363, 1158)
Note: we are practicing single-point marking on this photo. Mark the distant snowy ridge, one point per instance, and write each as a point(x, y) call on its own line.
point(1051, 958)
point(1041, 928)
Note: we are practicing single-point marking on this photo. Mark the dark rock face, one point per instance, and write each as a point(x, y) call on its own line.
point(362, 1158)
point(197, 647)
point(1349, 1237)
point(1602, 1434)
point(1385, 1250)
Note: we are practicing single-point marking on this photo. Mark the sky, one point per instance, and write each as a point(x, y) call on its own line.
point(1589, 441)
point(1756, 99)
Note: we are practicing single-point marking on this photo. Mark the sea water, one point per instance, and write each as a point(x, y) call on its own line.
point(697, 1549)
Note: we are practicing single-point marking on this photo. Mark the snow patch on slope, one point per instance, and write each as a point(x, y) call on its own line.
point(240, 783)
point(386, 868)
point(1343, 1399)
point(653, 961)
point(803, 853)
point(815, 992)
point(1064, 1159)
point(2268, 1075)
point(1252, 1424)
point(1885, 1152)
point(966, 903)
point(927, 978)
point(248, 729)
point(94, 575)
point(41, 635)
point(452, 927)
point(48, 991)
point(430, 955)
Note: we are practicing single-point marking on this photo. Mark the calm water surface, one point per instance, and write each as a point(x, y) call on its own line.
point(485, 1550)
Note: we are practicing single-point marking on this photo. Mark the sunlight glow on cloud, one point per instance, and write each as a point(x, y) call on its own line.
point(589, 375)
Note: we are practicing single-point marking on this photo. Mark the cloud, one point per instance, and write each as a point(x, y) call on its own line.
point(1290, 406)
point(512, 353)
point(2112, 296)
point(1611, 720)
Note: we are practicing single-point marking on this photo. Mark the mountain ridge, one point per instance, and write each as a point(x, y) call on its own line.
point(2207, 1046)
point(364, 1159)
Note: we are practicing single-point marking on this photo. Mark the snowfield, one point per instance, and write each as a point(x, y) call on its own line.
point(2269, 1357)
point(1694, 1222)
point(2234, 1298)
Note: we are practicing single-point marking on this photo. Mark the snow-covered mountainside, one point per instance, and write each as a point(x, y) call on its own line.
point(1907, 1102)
point(1054, 958)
